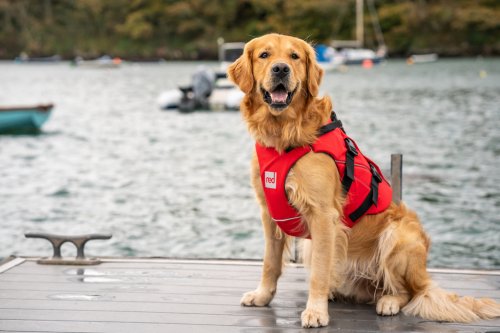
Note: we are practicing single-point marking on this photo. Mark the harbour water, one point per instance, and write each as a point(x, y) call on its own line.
point(177, 185)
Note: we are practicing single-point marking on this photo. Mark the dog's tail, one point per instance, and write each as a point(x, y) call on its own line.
point(434, 303)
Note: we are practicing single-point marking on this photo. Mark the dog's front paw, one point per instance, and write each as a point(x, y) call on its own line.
point(388, 305)
point(314, 318)
point(256, 298)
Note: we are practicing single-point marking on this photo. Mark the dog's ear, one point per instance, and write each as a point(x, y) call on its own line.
point(314, 72)
point(241, 72)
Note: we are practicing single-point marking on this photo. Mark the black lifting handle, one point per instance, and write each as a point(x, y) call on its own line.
point(58, 240)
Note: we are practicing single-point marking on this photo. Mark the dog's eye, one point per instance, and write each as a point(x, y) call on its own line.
point(264, 55)
point(295, 56)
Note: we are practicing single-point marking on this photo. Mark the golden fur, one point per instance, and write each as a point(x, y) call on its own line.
point(382, 259)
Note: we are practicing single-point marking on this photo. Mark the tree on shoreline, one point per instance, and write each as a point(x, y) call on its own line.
point(189, 29)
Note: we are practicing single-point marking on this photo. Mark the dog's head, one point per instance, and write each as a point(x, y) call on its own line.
point(278, 71)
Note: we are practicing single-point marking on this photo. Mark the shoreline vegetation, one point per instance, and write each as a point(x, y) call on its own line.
point(151, 30)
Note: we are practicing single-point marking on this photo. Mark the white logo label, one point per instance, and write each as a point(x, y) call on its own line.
point(270, 179)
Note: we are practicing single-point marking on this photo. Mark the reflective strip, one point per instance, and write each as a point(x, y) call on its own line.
point(284, 220)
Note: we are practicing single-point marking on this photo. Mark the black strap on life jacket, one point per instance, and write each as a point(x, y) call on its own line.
point(371, 198)
point(336, 123)
point(350, 153)
point(347, 180)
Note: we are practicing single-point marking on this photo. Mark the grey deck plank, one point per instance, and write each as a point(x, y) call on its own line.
point(156, 296)
point(179, 265)
point(94, 327)
point(137, 297)
point(483, 284)
point(234, 290)
point(70, 276)
point(138, 281)
point(220, 317)
point(381, 325)
point(363, 314)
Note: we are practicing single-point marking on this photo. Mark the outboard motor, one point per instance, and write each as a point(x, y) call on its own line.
point(196, 96)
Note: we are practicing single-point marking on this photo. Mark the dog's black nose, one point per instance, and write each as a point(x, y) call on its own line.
point(280, 70)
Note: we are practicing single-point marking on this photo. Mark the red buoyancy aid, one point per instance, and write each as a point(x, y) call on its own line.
point(368, 192)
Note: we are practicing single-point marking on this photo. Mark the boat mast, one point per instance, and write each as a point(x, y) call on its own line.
point(359, 40)
point(381, 47)
point(359, 23)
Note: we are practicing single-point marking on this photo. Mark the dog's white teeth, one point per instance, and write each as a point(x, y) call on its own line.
point(279, 96)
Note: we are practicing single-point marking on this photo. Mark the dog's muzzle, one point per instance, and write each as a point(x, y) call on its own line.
point(280, 95)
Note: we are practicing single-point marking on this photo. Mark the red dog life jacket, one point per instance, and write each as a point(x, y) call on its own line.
point(368, 192)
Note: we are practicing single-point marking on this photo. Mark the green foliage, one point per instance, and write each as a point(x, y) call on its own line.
point(189, 29)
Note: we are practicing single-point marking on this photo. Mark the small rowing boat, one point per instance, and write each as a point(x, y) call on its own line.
point(422, 58)
point(23, 119)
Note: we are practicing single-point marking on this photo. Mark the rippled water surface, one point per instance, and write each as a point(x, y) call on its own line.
point(177, 185)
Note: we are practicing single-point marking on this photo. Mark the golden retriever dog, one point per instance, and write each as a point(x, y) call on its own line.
point(382, 258)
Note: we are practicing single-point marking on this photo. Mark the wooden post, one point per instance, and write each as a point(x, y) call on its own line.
point(296, 257)
point(397, 177)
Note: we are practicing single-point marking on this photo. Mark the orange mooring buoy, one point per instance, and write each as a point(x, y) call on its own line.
point(367, 63)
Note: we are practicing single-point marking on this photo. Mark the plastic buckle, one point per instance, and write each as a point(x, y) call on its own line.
point(375, 174)
point(351, 148)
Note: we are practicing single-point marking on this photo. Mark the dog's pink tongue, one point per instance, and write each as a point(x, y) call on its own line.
point(279, 96)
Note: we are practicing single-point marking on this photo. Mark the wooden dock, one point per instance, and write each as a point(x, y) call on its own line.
point(160, 295)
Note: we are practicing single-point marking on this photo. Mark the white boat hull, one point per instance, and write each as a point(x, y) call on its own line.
point(220, 99)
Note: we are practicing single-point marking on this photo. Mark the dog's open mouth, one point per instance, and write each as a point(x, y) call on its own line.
point(279, 97)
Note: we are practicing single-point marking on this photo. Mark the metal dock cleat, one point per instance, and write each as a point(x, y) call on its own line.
point(58, 240)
